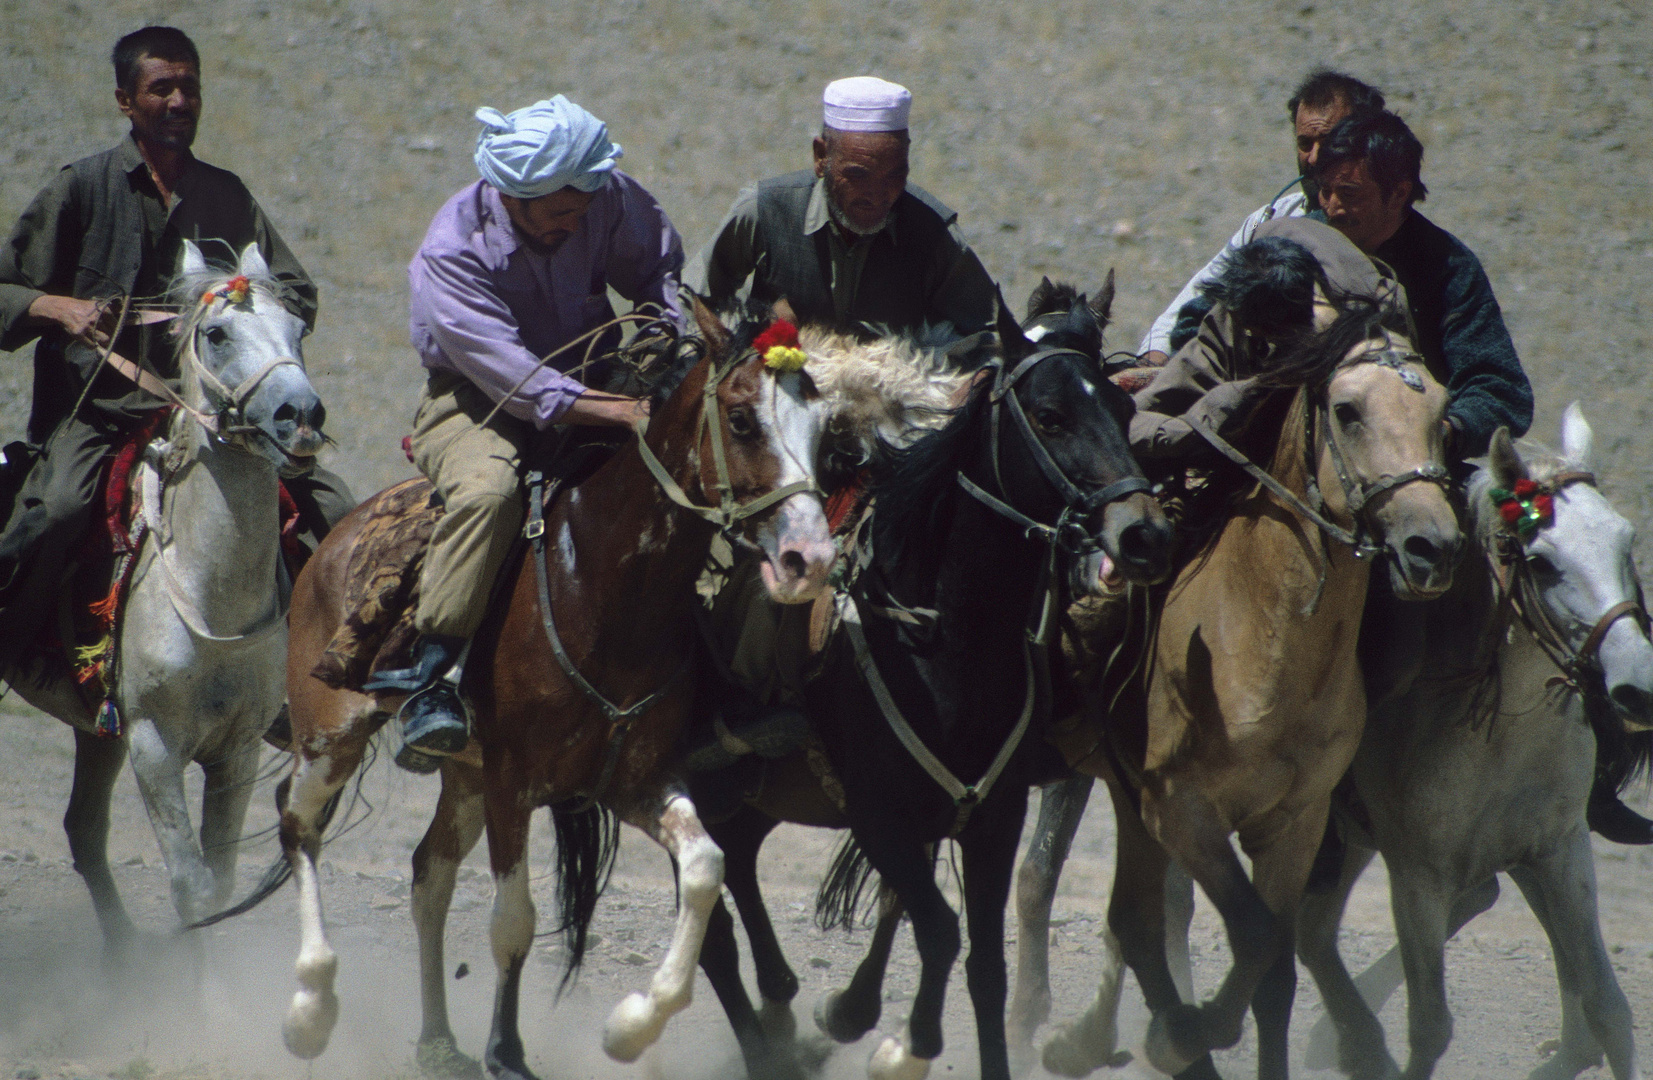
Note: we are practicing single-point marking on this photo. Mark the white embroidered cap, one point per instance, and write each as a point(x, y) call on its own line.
point(866, 103)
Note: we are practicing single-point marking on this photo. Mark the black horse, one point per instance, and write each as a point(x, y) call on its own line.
point(962, 547)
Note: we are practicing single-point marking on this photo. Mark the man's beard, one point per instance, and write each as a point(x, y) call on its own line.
point(841, 219)
point(173, 136)
point(543, 248)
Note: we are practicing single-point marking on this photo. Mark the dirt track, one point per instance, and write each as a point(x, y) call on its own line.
point(1071, 137)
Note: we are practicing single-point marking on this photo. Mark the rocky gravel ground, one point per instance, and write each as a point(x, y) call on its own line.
point(1071, 136)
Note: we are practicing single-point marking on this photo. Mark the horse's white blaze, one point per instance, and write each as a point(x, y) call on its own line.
point(636, 1023)
point(798, 527)
point(511, 929)
point(892, 1061)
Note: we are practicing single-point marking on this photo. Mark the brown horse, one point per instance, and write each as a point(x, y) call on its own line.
point(1254, 700)
point(547, 683)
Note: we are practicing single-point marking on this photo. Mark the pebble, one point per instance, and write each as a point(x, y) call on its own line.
point(634, 958)
point(28, 1072)
point(819, 962)
point(384, 903)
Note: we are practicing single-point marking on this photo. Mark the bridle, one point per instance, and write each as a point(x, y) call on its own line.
point(1068, 533)
point(1521, 591)
point(725, 516)
point(1358, 496)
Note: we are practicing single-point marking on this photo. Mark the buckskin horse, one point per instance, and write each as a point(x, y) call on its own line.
point(199, 648)
point(579, 684)
point(1252, 696)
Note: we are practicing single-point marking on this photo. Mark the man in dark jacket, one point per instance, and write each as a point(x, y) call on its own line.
point(851, 242)
point(109, 225)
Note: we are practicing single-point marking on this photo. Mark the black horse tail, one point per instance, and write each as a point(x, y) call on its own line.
point(844, 899)
point(277, 873)
point(588, 840)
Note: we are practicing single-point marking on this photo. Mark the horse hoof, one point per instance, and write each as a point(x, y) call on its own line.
point(833, 1018)
point(440, 1058)
point(779, 1024)
point(1074, 1053)
point(891, 1061)
point(309, 1023)
point(1169, 1034)
point(632, 1027)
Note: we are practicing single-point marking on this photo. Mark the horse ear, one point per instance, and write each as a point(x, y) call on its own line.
point(1577, 441)
point(1102, 306)
point(1011, 339)
point(194, 261)
point(252, 263)
point(1036, 303)
point(1505, 462)
point(711, 327)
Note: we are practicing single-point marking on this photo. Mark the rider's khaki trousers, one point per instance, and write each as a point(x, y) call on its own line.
point(475, 470)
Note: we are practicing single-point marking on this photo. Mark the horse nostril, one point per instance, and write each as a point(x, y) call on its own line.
point(1422, 549)
point(1632, 700)
point(287, 413)
point(794, 565)
point(318, 417)
point(1136, 544)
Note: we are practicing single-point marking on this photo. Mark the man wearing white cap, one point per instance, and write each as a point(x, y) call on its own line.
point(852, 241)
point(514, 267)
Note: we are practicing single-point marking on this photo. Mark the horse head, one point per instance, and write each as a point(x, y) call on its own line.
point(241, 361)
point(1072, 462)
point(758, 450)
point(1569, 545)
point(1378, 419)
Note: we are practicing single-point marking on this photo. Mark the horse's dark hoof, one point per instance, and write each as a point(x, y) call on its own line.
point(840, 1020)
point(440, 1058)
point(1173, 1041)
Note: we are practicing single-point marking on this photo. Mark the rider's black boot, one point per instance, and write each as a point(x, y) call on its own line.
point(744, 726)
point(434, 720)
point(1612, 820)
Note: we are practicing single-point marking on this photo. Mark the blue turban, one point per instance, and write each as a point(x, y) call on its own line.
point(548, 146)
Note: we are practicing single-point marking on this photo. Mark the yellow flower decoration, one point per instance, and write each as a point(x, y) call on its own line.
point(784, 358)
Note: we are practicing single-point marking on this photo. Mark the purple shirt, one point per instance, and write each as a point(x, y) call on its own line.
point(486, 306)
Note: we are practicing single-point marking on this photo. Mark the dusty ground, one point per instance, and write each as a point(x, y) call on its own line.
point(1071, 137)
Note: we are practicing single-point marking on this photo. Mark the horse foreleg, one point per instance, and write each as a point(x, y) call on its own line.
point(453, 832)
point(1560, 886)
point(989, 864)
point(224, 799)
point(315, 1007)
point(98, 764)
point(1061, 805)
point(846, 1015)
point(1179, 917)
point(1352, 1037)
point(636, 1023)
point(159, 770)
point(739, 838)
point(1421, 915)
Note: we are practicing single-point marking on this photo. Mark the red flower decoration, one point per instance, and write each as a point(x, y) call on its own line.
point(780, 332)
point(1510, 512)
point(1525, 489)
point(1545, 505)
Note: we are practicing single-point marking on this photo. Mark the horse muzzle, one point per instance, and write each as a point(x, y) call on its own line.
point(798, 550)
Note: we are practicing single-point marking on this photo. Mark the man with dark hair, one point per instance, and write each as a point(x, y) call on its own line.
point(107, 226)
point(1369, 177)
point(851, 242)
point(1320, 101)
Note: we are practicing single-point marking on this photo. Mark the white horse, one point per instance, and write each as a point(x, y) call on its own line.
point(202, 644)
point(1461, 778)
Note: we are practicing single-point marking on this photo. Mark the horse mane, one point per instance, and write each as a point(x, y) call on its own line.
point(886, 393)
point(912, 480)
point(1317, 355)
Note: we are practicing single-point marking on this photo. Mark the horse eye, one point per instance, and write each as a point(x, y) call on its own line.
point(1049, 419)
point(742, 424)
point(1346, 414)
point(217, 335)
point(1541, 565)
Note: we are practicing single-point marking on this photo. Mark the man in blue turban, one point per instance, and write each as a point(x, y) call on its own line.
point(514, 267)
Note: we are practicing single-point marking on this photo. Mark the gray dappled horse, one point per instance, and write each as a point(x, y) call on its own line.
point(202, 644)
